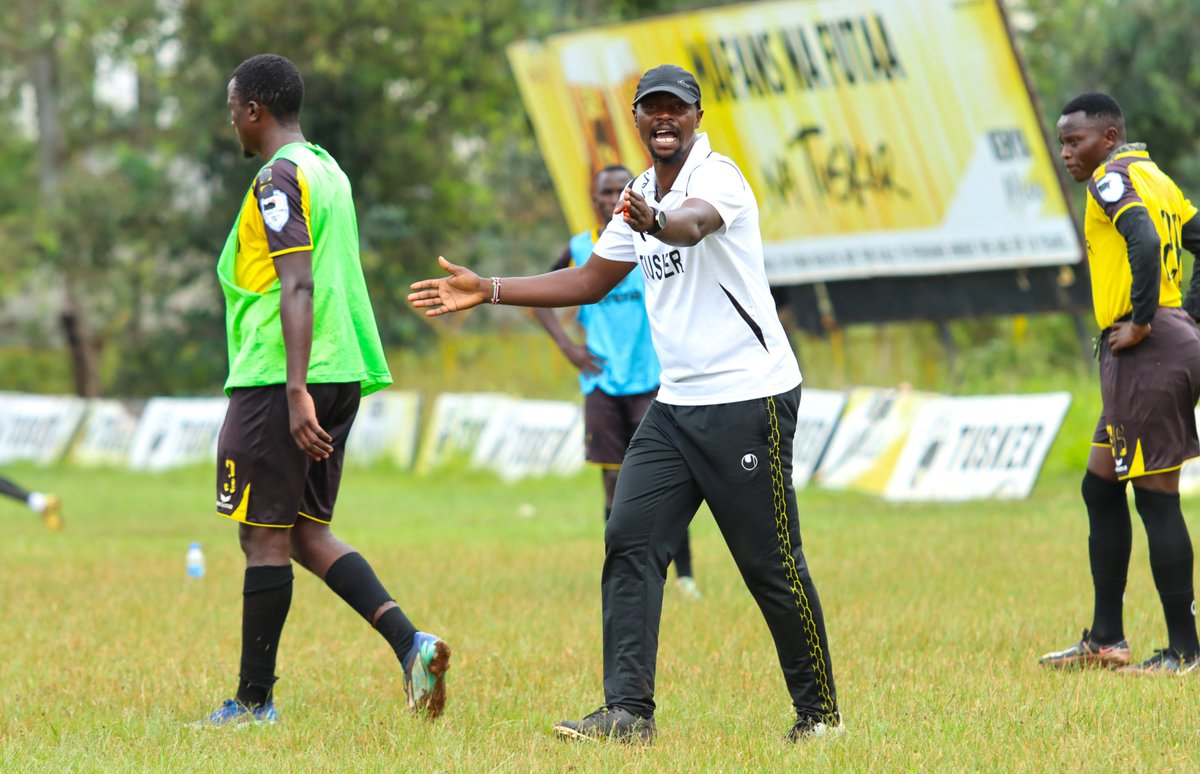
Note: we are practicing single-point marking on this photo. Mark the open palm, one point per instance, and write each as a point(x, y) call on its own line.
point(460, 291)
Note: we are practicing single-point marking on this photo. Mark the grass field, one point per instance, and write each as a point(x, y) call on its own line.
point(936, 616)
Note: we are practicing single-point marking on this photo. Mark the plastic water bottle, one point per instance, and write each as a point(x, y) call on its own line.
point(195, 561)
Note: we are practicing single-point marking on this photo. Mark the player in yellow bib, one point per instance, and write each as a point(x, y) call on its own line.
point(1136, 224)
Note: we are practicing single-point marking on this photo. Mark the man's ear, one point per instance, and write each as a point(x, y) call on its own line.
point(253, 110)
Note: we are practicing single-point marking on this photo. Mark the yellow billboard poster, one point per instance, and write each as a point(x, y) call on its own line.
point(881, 137)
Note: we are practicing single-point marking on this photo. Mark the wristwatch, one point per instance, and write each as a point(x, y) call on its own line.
point(660, 222)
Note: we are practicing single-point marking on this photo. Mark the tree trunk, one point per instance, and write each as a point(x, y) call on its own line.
point(83, 345)
point(44, 72)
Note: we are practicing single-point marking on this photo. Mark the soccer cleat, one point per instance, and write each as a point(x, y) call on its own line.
point(1165, 661)
point(232, 713)
point(425, 674)
point(613, 723)
point(813, 726)
point(687, 587)
point(52, 513)
point(1086, 653)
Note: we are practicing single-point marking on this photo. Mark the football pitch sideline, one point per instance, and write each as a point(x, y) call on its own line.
point(936, 617)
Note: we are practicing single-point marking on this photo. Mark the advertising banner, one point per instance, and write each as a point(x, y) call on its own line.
point(881, 137)
point(177, 431)
point(385, 428)
point(37, 428)
point(815, 422)
point(532, 438)
point(868, 439)
point(977, 447)
point(106, 436)
point(455, 424)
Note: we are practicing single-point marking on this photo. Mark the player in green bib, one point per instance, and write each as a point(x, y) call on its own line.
point(303, 350)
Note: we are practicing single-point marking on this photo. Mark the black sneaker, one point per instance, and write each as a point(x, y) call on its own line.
point(1086, 653)
point(609, 723)
point(812, 726)
point(1165, 661)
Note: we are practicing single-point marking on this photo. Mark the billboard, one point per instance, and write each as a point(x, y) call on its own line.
point(883, 138)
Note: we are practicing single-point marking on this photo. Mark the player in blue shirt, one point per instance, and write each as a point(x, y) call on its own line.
point(618, 369)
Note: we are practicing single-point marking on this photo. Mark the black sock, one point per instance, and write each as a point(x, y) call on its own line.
point(1171, 563)
point(14, 491)
point(1110, 540)
point(266, 598)
point(683, 558)
point(352, 579)
point(398, 631)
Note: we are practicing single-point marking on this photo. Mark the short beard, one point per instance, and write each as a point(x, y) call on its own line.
point(674, 157)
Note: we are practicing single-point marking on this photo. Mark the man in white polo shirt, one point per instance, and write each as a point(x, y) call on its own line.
point(721, 428)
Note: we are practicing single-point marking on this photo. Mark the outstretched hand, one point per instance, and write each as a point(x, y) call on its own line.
point(458, 292)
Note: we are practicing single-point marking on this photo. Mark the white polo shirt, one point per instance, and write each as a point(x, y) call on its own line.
point(712, 317)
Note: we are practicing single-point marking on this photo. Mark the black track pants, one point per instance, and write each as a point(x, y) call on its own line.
point(737, 457)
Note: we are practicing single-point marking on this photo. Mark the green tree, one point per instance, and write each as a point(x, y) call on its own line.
point(121, 209)
point(416, 103)
point(96, 213)
point(1142, 52)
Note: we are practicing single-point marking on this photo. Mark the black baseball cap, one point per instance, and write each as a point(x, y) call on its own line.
point(672, 79)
